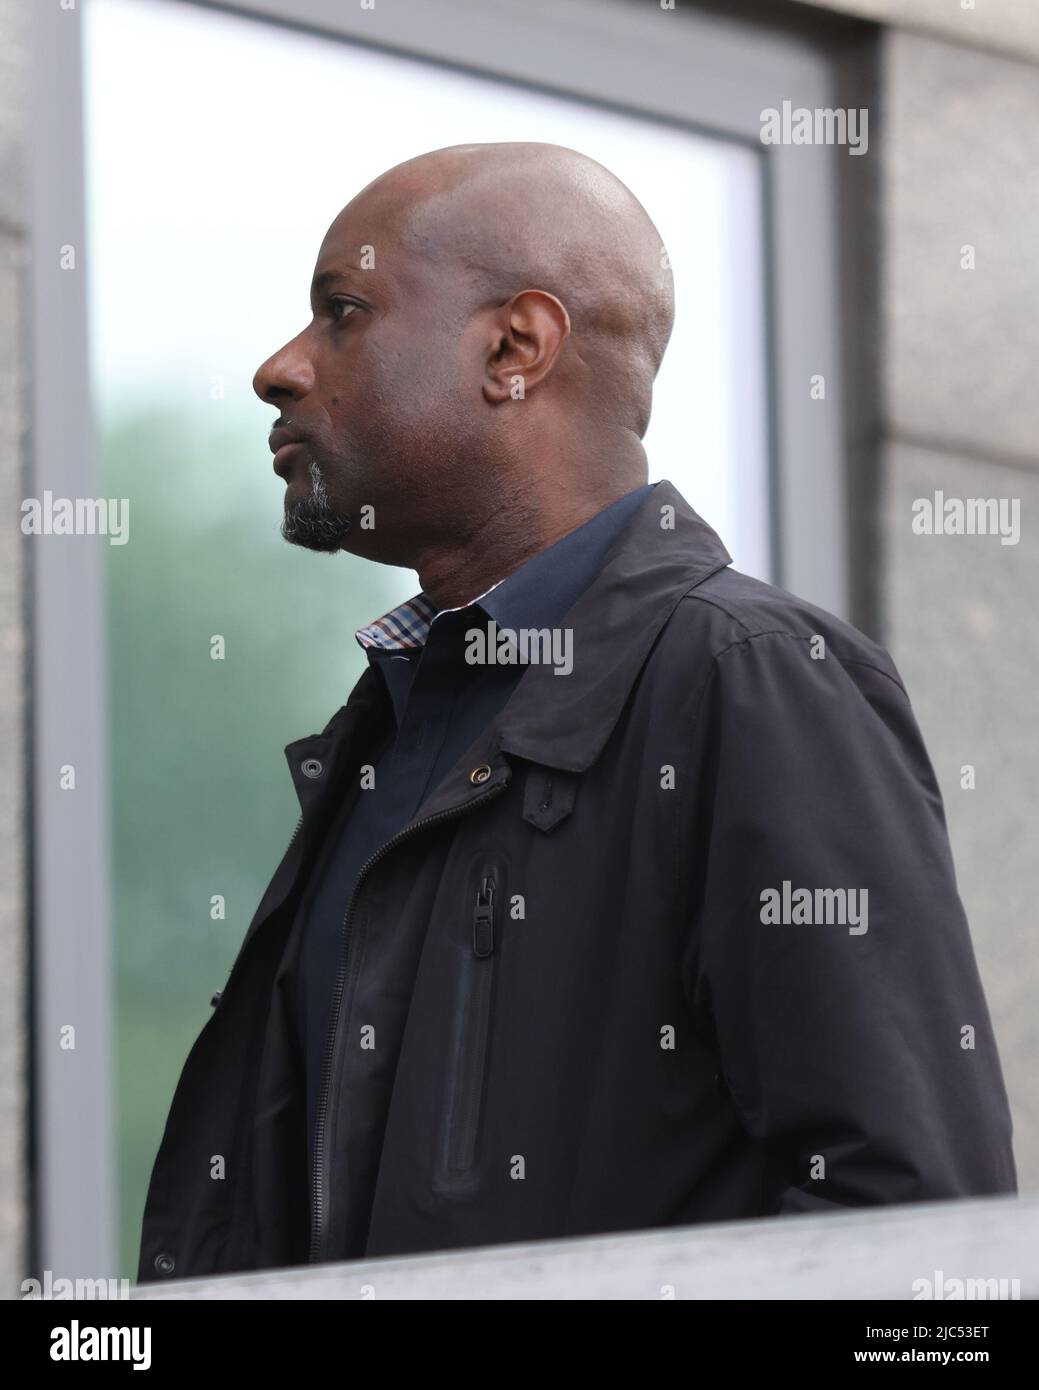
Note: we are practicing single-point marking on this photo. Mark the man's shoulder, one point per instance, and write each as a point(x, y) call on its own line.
point(731, 610)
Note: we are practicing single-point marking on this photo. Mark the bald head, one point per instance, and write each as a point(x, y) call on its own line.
point(487, 324)
point(521, 216)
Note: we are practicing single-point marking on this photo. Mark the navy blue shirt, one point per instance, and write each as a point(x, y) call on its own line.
point(441, 703)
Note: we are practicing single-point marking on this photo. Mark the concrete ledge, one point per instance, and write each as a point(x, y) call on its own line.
point(873, 1254)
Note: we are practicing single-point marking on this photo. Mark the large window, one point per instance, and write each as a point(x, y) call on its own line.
point(217, 149)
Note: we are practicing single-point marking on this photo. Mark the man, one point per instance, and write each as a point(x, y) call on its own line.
point(622, 895)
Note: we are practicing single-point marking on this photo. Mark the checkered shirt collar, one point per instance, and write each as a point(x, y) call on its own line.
point(407, 626)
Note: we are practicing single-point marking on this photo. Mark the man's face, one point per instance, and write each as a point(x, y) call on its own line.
point(372, 399)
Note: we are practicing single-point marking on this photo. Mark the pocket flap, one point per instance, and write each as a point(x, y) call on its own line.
point(548, 797)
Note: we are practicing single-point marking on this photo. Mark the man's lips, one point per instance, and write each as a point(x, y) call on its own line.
point(282, 455)
point(281, 434)
point(281, 441)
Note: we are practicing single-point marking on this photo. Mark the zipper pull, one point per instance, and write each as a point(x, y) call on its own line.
point(483, 918)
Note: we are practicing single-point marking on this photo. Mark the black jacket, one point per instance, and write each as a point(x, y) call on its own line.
point(693, 952)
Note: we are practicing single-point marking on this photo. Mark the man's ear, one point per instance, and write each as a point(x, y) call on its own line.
point(528, 335)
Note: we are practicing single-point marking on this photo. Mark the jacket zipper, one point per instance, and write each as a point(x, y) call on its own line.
point(475, 1023)
point(319, 1215)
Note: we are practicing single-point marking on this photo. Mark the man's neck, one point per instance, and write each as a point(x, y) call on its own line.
point(456, 573)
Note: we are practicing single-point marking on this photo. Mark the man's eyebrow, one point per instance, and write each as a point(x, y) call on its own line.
point(324, 279)
point(328, 277)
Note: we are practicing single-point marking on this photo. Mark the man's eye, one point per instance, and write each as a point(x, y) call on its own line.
point(342, 308)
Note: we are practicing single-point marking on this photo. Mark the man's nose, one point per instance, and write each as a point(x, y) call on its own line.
point(288, 373)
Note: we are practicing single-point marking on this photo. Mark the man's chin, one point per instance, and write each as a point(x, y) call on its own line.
point(314, 527)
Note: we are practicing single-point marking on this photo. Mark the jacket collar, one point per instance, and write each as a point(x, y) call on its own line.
point(564, 721)
point(559, 721)
point(536, 595)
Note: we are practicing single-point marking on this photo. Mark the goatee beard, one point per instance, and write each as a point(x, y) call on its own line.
point(313, 522)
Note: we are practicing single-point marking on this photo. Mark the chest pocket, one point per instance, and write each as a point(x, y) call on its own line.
point(548, 797)
point(484, 913)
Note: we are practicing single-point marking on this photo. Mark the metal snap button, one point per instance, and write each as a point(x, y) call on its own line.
point(479, 774)
point(165, 1263)
point(310, 767)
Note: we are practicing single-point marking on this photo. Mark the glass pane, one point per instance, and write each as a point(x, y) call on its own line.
point(218, 151)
